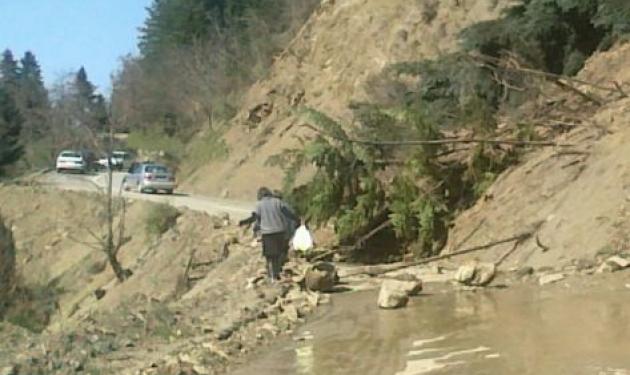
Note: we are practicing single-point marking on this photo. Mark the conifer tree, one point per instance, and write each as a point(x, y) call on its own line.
point(9, 70)
point(10, 127)
point(32, 100)
point(90, 105)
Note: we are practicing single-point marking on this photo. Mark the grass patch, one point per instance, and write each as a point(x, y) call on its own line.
point(158, 145)
point(160, 218)
point(32, 307)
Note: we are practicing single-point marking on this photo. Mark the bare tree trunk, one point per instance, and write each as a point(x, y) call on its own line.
point(111, 249)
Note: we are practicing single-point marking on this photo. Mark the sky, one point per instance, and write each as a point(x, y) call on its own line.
point(67, 34)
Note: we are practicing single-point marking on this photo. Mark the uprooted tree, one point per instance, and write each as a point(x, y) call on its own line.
point(420, 152)
point(367, 186)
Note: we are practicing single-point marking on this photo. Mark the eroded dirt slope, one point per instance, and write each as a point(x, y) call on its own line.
point(196, 301)
point(328, 65)
point(579, 195)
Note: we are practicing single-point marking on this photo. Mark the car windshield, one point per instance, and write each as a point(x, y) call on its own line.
point(155, 169)
point(70, 154)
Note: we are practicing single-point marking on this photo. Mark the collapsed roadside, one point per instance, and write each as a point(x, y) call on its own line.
point(197, 300)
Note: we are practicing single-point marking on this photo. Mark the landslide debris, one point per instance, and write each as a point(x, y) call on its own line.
point(198, 301)
point(328, 65)
point(579, 194)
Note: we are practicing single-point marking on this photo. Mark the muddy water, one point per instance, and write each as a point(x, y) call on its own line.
point(522, 330)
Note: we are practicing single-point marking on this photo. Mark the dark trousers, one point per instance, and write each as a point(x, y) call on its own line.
point(275, 249)
point(274, 267)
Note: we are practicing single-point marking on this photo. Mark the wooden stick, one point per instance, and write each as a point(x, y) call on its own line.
point(507, 253)
point(540, 244)
point(189, 265)
point(580, 93)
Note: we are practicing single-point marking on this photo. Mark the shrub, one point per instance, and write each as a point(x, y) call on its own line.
point(553, 35)
point(170, 148)
point(160, 218)
point(32, 306)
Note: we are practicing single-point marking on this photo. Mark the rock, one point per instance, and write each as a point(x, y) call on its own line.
point(99, 293)
point(75, 365)
point(484, 274)
point(201, 370)
point(291, 313)
point(392, 295)
point(395, 293)
point(410, 285)
point(270, 328)
point(9, 370)
point(613, 264)
point(465, 273)
point(321, 277)
point(617, 261)
point(607, 268)
point(550, 278)
point(476, 274)
point(225, 332)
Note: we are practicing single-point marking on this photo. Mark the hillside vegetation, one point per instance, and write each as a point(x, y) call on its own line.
point(344, 161)
point(197, 57)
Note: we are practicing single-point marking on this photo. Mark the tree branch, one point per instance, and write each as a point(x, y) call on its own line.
point(377, 270)
point(485, 59)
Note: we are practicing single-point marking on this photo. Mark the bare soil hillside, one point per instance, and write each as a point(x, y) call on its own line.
point(579, 197)
point(328, 65)
point(196, 303)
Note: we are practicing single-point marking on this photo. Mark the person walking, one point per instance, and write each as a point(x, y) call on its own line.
point(272, 218)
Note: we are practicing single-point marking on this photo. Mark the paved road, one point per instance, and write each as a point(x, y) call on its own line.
point(236, 209)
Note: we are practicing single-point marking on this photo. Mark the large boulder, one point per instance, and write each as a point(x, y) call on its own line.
point(321, 277)
point(395, 293)
point(7, 266)
point(476, 274)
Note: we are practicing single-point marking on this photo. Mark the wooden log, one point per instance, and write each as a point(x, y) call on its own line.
point(380, 269)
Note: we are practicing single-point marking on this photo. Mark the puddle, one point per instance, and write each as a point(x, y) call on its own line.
point(513, 331)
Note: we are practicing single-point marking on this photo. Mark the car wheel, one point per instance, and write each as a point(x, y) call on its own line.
point(59, 170)
point(168, 191)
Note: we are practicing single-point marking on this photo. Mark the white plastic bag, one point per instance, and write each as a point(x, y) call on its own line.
point(302, 239)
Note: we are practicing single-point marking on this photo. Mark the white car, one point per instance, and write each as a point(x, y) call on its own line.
point(70, 160)
point(119, 158)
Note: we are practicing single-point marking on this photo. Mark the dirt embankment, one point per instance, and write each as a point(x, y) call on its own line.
point(195, 302)
point(7, 266)
point(579, 196)
point(329, 64)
